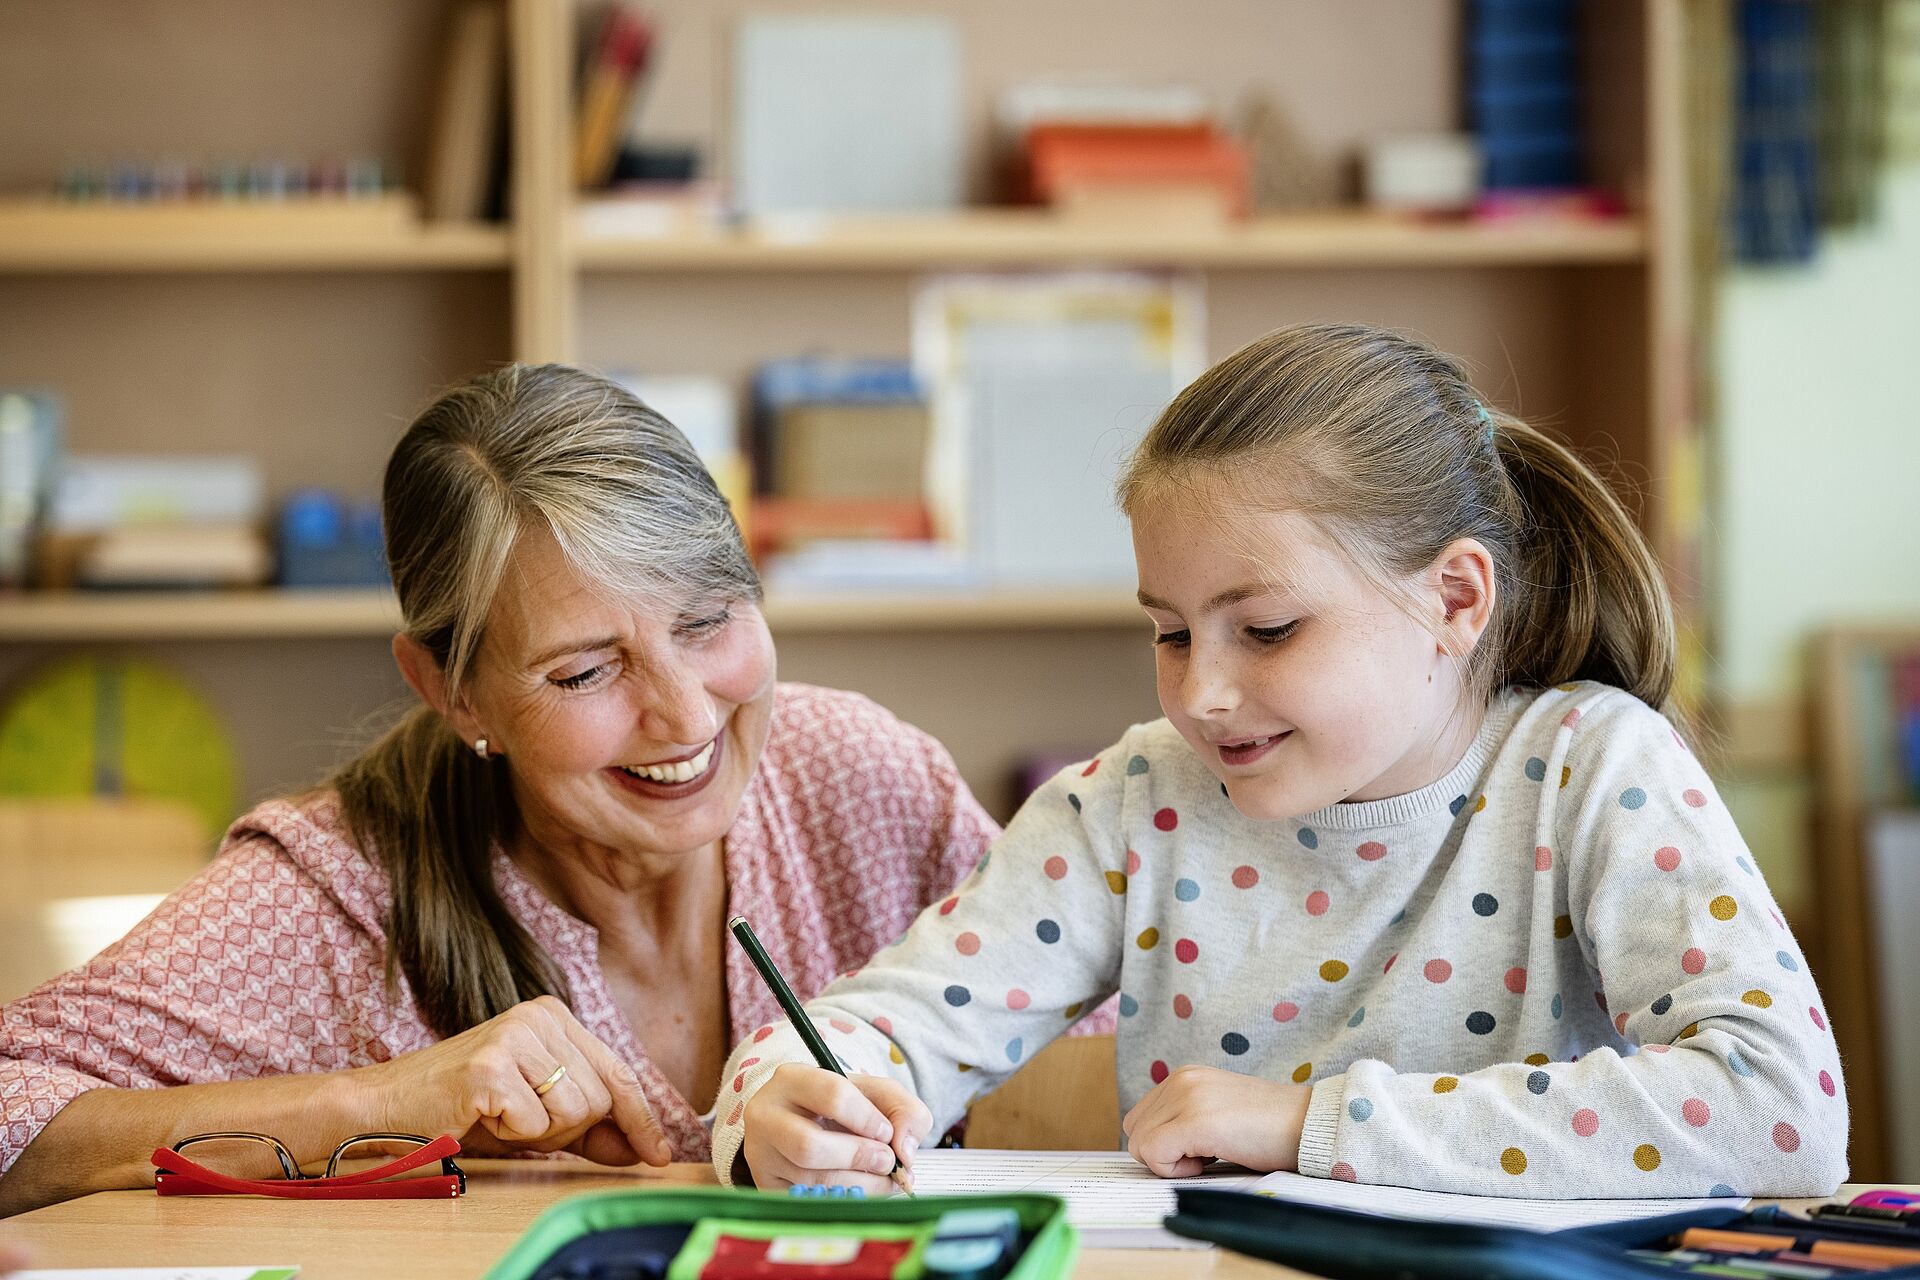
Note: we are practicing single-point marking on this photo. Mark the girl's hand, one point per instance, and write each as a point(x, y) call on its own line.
point(1199, 1114)
point(479, 1086)
point(12, 1258)
point(809, 1125)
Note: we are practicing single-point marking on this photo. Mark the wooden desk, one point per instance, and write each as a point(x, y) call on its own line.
point(418, 1239)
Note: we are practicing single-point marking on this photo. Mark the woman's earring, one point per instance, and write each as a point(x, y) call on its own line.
point(480, 747)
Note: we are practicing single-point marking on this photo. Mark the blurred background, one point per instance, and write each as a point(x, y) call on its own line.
point(912, 277)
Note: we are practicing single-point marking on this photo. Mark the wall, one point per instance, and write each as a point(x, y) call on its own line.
point(1818, 456)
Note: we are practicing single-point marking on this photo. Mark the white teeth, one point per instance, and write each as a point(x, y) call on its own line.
point(679, 771)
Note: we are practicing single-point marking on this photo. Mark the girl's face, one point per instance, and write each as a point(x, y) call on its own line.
point(1324, 691)
point(628, 728)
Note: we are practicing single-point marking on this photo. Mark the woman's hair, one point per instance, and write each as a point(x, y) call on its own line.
point(631, 507)
point(1381, 440)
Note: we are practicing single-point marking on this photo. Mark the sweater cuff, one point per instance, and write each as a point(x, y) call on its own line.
point(726, 1146)
point(1322, 1124)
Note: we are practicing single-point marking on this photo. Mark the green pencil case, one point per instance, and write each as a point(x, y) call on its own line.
point(634, 1221)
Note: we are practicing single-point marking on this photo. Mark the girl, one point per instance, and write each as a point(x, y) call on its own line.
point(1415, 883)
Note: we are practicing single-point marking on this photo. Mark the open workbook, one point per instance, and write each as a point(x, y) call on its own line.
point(1115, 1203)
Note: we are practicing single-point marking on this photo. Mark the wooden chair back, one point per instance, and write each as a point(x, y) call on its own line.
point(76, 874)
point(1065, 1099)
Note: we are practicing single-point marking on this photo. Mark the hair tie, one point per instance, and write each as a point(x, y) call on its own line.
point(1486, 419)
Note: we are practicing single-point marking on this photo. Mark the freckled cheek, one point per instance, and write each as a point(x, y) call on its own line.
point(1325, 694)
point(1169, 671)
point(587, 738)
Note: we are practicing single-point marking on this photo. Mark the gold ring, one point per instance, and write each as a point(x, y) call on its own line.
point(559, 1074)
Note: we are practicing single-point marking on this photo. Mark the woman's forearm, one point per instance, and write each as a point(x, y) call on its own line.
point(104, 1139)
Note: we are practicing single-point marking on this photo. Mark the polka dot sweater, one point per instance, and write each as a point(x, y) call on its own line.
point(1554, 972)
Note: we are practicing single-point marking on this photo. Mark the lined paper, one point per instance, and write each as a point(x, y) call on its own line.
point(1112, 1199)
point(1485, 1211)
point(1116, 1203)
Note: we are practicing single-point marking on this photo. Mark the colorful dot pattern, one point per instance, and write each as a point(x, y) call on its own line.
point(1577, 838)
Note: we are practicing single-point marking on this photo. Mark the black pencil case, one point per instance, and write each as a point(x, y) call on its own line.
point(1343, 1245)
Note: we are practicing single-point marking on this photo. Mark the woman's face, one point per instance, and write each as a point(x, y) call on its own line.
point(629, 727)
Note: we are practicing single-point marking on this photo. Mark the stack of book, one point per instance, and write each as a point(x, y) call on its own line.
point(1523, 93)
point(840, 463)
point(1137, 153)
point(136, 521)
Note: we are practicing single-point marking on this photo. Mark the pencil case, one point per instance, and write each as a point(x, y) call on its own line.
point(644, 1233)
point(1344, 1245)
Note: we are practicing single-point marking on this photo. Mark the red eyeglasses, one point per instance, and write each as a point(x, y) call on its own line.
point(177, 1175)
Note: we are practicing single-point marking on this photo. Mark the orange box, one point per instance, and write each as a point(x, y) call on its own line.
point(1067, 158)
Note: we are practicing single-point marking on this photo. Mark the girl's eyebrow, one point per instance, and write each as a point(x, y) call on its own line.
point(1232, 595)
point(570, 646)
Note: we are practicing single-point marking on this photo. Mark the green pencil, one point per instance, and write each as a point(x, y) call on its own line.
point(770, 974)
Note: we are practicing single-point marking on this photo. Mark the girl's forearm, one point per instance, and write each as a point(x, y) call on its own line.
point(104, 1139)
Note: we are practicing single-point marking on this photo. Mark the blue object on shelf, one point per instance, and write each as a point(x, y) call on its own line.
point(824, 380)
point(1522, 92)
point(327, 541)
point(1776, 196)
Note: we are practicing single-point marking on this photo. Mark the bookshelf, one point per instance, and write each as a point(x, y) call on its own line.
point(310, 345)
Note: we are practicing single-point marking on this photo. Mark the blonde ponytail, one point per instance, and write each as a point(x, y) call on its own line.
point(1586, 599)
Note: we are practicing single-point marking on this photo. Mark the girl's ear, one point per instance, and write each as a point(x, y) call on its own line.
point(422, 671)
point(1464, 587)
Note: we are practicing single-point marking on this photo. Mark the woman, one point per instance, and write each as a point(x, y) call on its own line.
point(504, 920)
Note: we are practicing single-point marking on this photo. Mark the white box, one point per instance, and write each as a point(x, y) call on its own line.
point(847, 114)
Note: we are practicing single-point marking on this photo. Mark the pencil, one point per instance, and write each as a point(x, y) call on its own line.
point(770, 974)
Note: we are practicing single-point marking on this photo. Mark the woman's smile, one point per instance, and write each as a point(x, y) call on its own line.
point(673, 779)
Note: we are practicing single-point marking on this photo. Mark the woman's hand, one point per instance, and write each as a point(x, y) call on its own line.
point(869, 1121)
point(479, 1086)
point(12, 1258)
point(1199, 1114)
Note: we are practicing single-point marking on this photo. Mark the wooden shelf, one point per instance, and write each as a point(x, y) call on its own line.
point(197, 615)
point(950, 610)
point(303, 614)
point(48, 236)
point(1022, 237)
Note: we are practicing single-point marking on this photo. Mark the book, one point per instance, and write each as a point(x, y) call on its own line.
point(1522, 91)
point(608, 81)
point(30, 437)
point(459, 174)
point(1068, 164)
point(833, 429)
point(1040, 383)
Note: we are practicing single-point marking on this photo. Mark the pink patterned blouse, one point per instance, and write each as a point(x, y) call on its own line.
point(270, 961)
